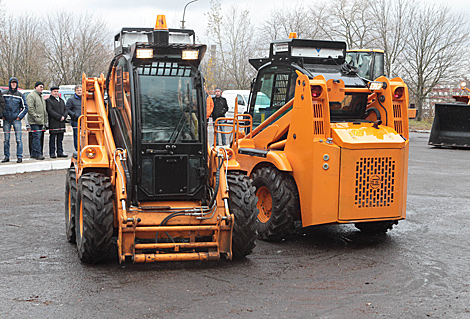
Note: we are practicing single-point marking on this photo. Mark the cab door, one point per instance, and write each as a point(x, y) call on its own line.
point(171, 133)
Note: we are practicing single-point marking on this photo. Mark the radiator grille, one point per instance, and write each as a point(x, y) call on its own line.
point(375, 182)
point(318, 119)
point(398, 123)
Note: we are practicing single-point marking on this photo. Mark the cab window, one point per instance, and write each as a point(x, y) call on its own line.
point(122, 98)
point(275, 88)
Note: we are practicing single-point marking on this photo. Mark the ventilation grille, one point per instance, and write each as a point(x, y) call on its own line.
point(375, 182)
point(398, 123)
point(318, 128)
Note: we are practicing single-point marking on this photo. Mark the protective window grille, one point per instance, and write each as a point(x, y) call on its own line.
point(398, 123)
point(375, 182)
point(165, 69)
point(280, 90)
point(318, 119)
point(119, 87)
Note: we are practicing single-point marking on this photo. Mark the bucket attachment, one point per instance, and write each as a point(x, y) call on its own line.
point(451, 126)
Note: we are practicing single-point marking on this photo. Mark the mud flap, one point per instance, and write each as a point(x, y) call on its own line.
point(451, 126)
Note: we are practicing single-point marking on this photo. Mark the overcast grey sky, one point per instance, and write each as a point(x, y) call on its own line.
point(142, 13)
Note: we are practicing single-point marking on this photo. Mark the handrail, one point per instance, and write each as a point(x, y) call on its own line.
point(270, 119)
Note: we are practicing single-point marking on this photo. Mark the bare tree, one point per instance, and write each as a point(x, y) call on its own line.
point(350, 21)
point(76, 44)
point(21, 55)
point(232, 33)
point(436, 41)
point(390, 29)
point(288, 19)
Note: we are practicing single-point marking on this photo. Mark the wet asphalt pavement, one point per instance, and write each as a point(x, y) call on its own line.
point(418, 270)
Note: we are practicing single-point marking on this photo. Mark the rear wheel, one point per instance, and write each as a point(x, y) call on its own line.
point(376, 227)
point(94, 218)
point(242, 204)
point(278, 203)
point(70, 203)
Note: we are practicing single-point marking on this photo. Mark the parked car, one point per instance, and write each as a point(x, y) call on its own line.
point(241, 95)
point(45, 93)
point(66, 94)
point(5, 89)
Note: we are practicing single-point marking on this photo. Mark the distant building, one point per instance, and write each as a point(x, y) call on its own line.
point(442, 93)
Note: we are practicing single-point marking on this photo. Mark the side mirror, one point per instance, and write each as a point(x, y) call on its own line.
point(241, 102)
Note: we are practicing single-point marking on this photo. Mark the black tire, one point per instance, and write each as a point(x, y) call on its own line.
point(376, 227)
point(70, 203)
point(242, 204)
point(95, 213)
point(278, 203)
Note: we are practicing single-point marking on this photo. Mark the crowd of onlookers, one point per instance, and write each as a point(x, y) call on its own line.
point(40, 114)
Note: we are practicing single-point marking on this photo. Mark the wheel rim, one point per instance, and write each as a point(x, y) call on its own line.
point(265, 204)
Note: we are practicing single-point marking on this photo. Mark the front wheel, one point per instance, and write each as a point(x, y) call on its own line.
point(94, 218)
point(376, 227)
point(278, 203)
point(242, 204)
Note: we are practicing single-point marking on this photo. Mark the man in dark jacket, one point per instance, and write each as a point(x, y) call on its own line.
point(15, 109)
point(74, 107)
point(220, 108)
point(57, 113)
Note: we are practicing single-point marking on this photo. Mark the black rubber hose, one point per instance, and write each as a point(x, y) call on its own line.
point(166, 219)
point(386, 114)
point(217, 179)
point(375, 110)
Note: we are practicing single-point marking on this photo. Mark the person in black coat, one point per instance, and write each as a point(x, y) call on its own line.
point(220, 108)
point(57, 113)
point(74, 107)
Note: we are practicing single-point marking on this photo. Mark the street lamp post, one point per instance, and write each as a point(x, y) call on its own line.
point(184, 12)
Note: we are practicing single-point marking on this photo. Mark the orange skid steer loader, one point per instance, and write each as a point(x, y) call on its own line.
point(322, 144)
point(144, 173)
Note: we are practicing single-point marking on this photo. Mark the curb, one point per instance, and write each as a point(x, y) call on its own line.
point(420, 131)
point(35, 166)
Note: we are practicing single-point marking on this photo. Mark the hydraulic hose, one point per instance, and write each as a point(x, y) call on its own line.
point(217, 180)
point(211, 203)
point(375, 110)
point(386, 114)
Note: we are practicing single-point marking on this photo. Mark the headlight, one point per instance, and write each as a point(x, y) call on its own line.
point(90, 152)
point(144, 53)
point(190, 54)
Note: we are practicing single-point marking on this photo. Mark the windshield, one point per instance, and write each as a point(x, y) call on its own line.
point(168, 103)
point(360, 60)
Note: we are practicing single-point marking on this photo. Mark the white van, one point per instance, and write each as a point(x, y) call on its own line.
point(230, 96)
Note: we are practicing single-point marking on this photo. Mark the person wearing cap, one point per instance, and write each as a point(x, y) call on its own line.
point(37, 117)
point(74, 106)
point(56, 113)
point(15, 109)
point(220, 108)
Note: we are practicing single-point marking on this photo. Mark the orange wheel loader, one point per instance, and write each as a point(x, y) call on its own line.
point(323, 145)
point(144, 174)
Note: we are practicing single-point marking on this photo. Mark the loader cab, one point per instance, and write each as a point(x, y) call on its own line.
point(370, 63)
point(158, 113)
point(275, 82)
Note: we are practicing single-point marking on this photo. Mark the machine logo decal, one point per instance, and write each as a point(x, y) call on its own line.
point(375, 182)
